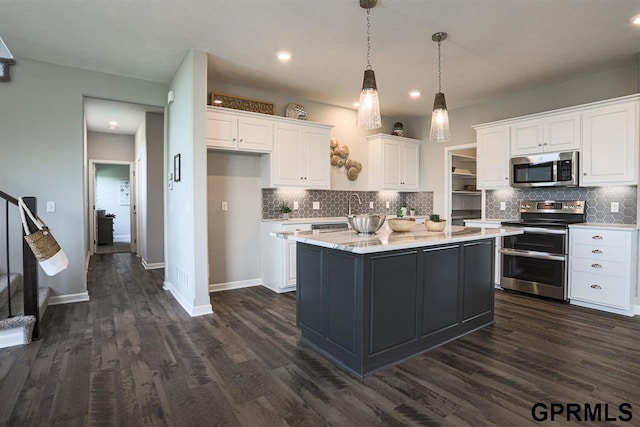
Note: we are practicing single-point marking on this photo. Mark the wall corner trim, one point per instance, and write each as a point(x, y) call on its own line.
point(69, 298)
point(151, 265)
point(193, 311)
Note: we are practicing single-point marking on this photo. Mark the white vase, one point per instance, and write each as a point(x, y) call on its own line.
point(284, 215)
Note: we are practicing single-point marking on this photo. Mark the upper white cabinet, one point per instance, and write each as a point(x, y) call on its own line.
point(609, 145)
point(493, 157)
point(394, 163)
point(300, 155)
point(230, 130)
point(558, 132)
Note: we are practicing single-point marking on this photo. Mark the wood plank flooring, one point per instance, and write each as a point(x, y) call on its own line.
point(131, 356)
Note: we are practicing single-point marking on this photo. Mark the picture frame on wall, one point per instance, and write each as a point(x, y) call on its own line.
point(176, 168)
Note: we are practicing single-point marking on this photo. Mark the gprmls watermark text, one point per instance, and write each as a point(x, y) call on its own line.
point(581, 412)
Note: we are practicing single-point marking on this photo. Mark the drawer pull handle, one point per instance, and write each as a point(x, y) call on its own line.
point(597, 237)
point(596, 265)
point(596, 287)
point(596, 251)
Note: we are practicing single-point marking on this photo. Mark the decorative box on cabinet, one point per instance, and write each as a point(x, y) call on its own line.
point(239, 131)
point(493, 157)
point(609, 145)
point(557, 132)
point(602, 268)
point(393, 163)
point(279, 257)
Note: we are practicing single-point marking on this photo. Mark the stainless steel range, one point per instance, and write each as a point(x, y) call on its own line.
point(536, 262)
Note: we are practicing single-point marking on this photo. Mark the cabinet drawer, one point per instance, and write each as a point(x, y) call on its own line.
point(605, 290)
point(297, 227)
point(600, 267)
point(600, 237)
point(596, 252)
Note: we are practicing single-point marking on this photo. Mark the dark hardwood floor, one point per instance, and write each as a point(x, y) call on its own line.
point(131, 356)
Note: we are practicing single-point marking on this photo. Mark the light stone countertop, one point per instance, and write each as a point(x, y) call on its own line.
point(325, 220)
point(387, 240)
point(605, 226)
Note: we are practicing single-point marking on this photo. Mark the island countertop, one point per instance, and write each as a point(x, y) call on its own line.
point(387, 240)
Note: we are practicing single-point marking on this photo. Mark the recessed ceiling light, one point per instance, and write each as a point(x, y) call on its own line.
point(635, 20)
point(113, 125)
point(217, 101)
point(414, 93)
point(284, 55)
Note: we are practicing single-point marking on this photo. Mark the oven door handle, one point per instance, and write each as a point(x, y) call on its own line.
point(533, 254)
point(541, 230)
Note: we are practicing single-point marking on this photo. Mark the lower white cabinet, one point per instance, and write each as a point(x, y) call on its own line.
point(602, 268)
point(489, 223)
point(279, 257)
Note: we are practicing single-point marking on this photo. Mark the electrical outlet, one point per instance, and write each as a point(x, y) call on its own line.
point(316, 205)
point(51, 206)
point(225, 206)
point(503, 206)
point(388, 205)
point(370, 205)
point(296, 206)
point(615, 207)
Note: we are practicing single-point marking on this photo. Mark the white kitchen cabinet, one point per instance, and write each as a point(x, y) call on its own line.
point(602, 267)
point(557, 132)
point(609, 145)
point(300, 156)
point(393, 163)
point(239, 131)
point(493, 157)
point(279, 257)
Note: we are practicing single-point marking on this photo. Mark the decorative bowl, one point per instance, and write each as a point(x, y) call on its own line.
point(365, 223)
point(435, 226)
point(401, 224)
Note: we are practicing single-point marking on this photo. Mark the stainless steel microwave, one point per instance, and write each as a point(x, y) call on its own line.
point(545, 170)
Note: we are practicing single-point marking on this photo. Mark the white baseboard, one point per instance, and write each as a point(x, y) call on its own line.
point(217, 287)
point(69, 298)
point(192, 310)
point(585, 304)
point(637, 311)
point(151, 265)
point(11, 337)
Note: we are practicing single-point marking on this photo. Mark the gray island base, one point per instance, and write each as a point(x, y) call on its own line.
point(367, 311)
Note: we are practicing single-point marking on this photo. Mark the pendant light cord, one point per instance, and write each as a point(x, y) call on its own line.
point(368, 38)
point(439, 70)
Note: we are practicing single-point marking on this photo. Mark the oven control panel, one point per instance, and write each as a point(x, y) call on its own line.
point(552, 206)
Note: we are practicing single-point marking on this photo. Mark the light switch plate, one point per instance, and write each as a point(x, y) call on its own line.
point(296, 206)
point(51, 206)
point(388, 205)
point(316, 205)
point(225, 206)
point(615, 207)
point(503, 206)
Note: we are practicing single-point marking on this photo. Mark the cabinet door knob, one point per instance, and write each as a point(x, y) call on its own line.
point(539, 145)
point(584, 173)
point(596, 251)
point(545, 143)
point(596, 287)
point(597, 237)
point(233, 139)
point(241, 139)
point(596, 265)
point(506, 177)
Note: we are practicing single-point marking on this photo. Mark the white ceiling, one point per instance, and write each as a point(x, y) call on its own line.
point(99, 112)
point(494, 46)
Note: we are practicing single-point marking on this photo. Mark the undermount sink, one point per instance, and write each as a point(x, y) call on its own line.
point(366, 223)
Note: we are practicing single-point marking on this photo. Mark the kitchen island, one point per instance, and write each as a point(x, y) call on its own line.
point(370, 301)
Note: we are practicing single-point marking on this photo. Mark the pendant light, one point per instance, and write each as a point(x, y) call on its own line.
point(439, 117)
point(369, 109)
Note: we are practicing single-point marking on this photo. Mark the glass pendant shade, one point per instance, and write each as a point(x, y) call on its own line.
point(440, 119)
point(369, 109)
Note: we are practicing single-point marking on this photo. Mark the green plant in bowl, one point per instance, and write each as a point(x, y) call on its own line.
point(434, 223)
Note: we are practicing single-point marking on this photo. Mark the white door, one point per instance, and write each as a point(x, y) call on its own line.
point(93, 214)
point(391, 166)
point(410, 161)
point(255, 134)
point(562, 132)
point(287, 156)
point(317, 174)
point(526, 138)
point(493, 157)
point(222, 130)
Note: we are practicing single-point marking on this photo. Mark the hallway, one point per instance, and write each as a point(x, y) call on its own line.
point(131, 356)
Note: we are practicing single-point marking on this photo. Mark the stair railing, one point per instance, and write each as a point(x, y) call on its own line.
point(29, 265)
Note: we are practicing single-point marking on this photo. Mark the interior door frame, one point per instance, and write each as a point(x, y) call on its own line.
point(448, 178)
point(93, 240)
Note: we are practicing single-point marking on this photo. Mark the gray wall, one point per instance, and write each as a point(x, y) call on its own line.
point(42, 148)
point(110, 146)
point(607, 84)
point(234, 235)
point(154, 213)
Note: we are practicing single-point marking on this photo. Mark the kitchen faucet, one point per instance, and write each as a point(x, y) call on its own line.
point(359, 201)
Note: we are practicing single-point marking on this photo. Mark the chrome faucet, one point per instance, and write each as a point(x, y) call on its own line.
point(359, 201)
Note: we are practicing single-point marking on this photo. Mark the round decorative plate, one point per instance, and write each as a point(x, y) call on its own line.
point(295, 111)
